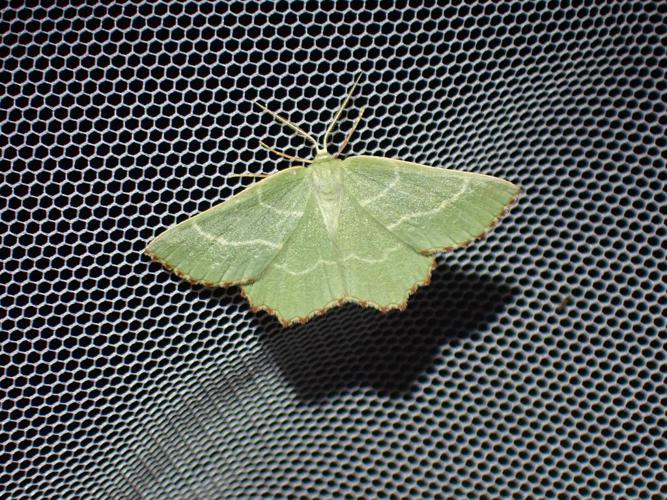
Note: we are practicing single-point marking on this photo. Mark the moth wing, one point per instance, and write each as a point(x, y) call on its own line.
point(432, 209)
point(233, 242)
point(361, 262)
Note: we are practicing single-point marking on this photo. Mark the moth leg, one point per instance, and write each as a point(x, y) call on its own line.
point(333, 121)
point(280, 153)
point(261, 176)
point(288, 123)
point(349, 134)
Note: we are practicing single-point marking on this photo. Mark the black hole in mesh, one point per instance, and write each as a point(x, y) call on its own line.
point(532, 365)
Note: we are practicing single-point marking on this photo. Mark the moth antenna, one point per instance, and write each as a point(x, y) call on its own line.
point(284, 155)
point(340, 111)
point(349, 134)
point(288, 123)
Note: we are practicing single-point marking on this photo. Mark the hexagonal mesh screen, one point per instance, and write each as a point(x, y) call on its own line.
point(532, 366)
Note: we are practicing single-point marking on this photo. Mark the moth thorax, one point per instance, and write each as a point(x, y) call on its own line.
point(327, 183)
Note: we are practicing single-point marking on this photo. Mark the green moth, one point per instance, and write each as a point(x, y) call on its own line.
point(309, 238)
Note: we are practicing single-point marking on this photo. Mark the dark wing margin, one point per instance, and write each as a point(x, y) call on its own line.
point(432, 209)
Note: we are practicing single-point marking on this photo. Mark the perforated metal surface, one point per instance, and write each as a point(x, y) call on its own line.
point(534, 365)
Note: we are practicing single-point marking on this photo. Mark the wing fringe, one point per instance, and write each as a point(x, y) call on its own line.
point(285, 322)
point(184, 276)
point(489, 227)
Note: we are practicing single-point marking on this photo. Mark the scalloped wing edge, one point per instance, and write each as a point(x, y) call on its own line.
point(489, 227)
point(386, 308)
point(343, 300)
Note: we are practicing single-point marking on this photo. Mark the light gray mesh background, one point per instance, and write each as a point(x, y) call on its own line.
point(534, 365)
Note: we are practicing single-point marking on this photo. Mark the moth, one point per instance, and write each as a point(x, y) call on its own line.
point(329, 230)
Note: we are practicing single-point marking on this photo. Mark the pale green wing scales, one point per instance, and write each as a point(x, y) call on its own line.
point(232, 242)
point(361, 262)
point(432, 209)
point(358, 230)
point(304, 276)
point(381, 269)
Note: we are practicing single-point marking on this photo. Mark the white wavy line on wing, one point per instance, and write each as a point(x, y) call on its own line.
point(384, 192)
point(320, 262)
point(445, 203)
point(223, 242)
point(280, 211)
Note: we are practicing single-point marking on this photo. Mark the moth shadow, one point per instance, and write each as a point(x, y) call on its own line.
point(355, 348)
